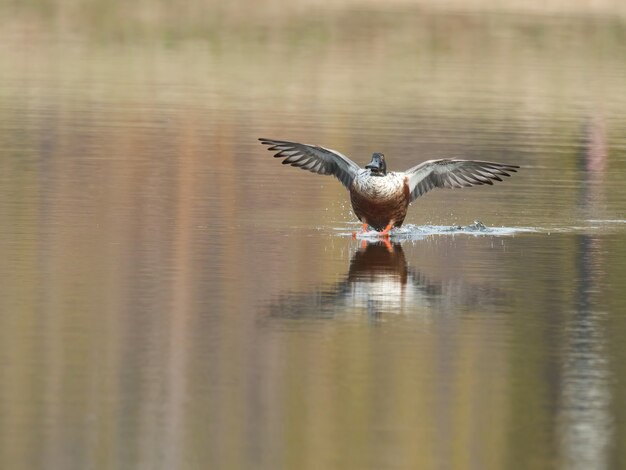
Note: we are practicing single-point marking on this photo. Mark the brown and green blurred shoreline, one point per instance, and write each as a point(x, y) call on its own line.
point(170, 22)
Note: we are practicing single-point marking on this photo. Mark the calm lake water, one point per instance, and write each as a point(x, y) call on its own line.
point(173, 297)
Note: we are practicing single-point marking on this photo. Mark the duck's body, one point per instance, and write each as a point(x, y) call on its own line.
point(380, 199)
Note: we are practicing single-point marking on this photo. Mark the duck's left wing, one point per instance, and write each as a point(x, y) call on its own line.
point(315, 158)
point(454, 174)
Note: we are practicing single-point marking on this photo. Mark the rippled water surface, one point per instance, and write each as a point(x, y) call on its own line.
point(173, 297)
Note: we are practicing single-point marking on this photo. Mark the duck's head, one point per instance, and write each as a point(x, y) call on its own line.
point(377, 166)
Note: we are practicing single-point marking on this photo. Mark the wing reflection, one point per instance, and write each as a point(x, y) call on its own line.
point(379, 281)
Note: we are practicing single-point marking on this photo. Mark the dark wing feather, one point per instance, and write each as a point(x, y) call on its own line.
point(315, 158)
point(454, 174)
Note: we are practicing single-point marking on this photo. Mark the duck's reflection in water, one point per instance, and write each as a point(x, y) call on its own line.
point(380, 281)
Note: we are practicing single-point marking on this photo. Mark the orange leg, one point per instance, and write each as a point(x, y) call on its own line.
point(385, 233)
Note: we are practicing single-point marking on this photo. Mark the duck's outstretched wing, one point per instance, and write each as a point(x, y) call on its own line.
point(315, 158)
point(454, 174)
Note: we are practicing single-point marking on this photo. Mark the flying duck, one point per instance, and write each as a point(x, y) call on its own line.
point(380, 198)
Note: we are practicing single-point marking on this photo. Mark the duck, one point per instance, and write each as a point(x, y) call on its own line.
point(380, 198)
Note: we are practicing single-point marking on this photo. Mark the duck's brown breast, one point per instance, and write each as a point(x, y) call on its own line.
point(379, 200)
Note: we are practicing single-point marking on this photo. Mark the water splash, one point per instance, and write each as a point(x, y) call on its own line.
point(417, 232)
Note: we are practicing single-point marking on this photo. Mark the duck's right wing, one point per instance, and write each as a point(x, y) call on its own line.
point(315, 158)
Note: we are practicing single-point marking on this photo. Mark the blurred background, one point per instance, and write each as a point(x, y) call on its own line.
point(172, 297)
